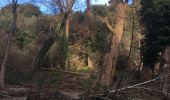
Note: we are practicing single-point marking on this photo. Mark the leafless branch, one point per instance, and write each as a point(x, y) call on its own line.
point(109, 26)
point(139, 84)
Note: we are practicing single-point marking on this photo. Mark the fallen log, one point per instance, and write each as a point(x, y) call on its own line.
point(69, 72)
point(14, 98)
point(17, 91)
point(139, 84)
point(4, 95)
point(135, 86)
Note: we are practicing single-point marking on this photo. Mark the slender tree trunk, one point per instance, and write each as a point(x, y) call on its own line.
point(165, 65)
point(88, 12)
point(67, 29)
point(66, 60)
point(2, 73)
point(8, 42)
point(110, 58)
point(88, 16)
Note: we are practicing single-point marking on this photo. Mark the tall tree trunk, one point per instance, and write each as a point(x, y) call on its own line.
point(8, 42)
point(165, 65)
point(88, 12)
point(110, 58)
point(67, 29)
point(65, 62)
point(4, 60)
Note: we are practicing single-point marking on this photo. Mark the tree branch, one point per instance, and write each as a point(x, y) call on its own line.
point(109, 26)
point(146, 82)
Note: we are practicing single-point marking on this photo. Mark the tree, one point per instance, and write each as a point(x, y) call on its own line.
point(65, 42)
point(88, 4)
point(155, 46)
point(10, 32)
point(29, 10)
point(110, 58)
point(155, 18)
point(63, 25)
point(165, 65)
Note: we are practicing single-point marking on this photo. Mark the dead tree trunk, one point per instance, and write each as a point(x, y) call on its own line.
point(110, 58)
point(8, 42)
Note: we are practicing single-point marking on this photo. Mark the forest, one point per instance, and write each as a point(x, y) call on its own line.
point(114, 51)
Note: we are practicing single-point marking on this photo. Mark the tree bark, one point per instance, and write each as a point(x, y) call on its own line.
point(65, 44)
point(165, 65)
point(2, 73)
point(88, 12)
point(46, 46)
point(67, 29)
point(110, 59)
point(8, 42)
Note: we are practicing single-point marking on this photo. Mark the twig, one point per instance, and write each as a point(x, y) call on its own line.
point(100, 98)
point(4, 95)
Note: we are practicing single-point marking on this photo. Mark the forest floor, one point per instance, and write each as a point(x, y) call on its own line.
point(72, 85)
point(58, 85)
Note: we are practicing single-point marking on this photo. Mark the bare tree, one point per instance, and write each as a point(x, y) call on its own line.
point(8, 42)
